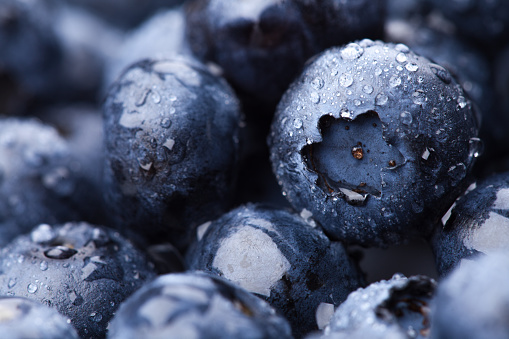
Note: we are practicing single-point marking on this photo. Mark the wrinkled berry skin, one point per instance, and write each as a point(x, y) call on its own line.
point(280, 257)
point(262, 45)
point(476, 224)
point(83, 271)
point(375, 141)
point(171, 143)
point(196, 305)
point(473, 301)
point(24, 318)
point(395, 308)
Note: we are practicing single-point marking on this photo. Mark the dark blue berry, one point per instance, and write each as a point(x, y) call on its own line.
point(196, 305)
point(171, 142)
point(282, 258)
point(375, 141)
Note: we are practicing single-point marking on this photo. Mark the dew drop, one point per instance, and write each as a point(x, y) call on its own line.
point(346, 80)
point(395, 81)
point(406, 117)
point(12, 282)
point(297, 123)
point(60, 252)
point(357, 102)
point(381, 99)
point(165, 123)
point(401, 58)
point(411, 67)
point(368, 89)
point(418, 97)
point(317, 83)
point(441, 73)
point(173, 98)
point(462, 102)
point(44, 265)
point(172, 110)
point(351, 51)
point(32, 288)
point(156, 97)
point(97, 317)
point(378, 71)
point(402, 48)
point(42, 233)
point(314, 97)
point(476, 147)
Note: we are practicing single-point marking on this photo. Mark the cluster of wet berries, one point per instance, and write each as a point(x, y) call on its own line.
point(222, 169)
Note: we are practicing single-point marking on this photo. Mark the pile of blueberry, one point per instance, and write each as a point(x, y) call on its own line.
point(254, 169)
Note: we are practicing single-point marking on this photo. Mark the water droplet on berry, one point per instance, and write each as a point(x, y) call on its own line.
point(368, 89)
point(401, 58)
point(346, 80)
point(314, 97)
point(297, 123)
point(12, 282)
point(42, 233)
point(97, 317)
point(317, 83)
point(411, 67)
point(406, 118)
point(156, 97)
point(462, 102)
point(351, 51)
point(60, 252)
point(394, 81)
point(476, 147)
point(44, 265)
point(32, 288)
point(402, 48)
point(441, 73)
point(418, 97)
point(381, 99)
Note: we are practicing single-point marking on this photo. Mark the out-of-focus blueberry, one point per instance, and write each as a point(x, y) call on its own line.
point(376, 141)
point(171, 142)
point(473, 301)
point(83, 271)
point(280, 256)
point(25, 318)
point(262, 45)
point(478, 222)
point(398, 308)
point(196, 305)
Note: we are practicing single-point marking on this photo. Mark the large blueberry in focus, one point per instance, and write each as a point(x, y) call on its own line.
point(171, 142)
point(282, 258)
point(375, 141)
point(473, 301)
point(41, 179)
point(23, 318)
point(395, 308)
point(262, 45)
point(83, 271)
point(196, 305)
point(478, 222)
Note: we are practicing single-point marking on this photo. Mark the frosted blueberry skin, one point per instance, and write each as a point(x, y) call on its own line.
point(398, 307)
point(81, 270)
point(24, 318)
point(472, 302)
point(42, 180)
point(262, 45)
point(374, 140)
point(171, 148)
point(280, 257)
point(477, 223)
point(196, 305)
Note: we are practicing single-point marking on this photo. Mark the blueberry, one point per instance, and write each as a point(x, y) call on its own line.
point(195, 305)
point(476, 223)
point(83, 271)
point(399, 307)
point(280, 257)
point(482, 20)
point(262, 45)
point(24, 318)
point(171, 143)
point(375, 141)
point(41, 178)
point(472, 302)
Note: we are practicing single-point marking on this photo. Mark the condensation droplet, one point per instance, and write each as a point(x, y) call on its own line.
point(172, 98)
point(394, 81)
point(346, 80)
point(418, 97)
point(32, 288)
point(317, 83)
point(297, 123)
point(411, 67)
point(156, 97)
point(462, 102)
point(476, 147)
point(12, 282)
point(165, 123)
point(44, 265)
point(381, 99)
point(401, 58)
point(368, 89)
point(357, 102)
point(314, 97)
point(42, 233)
point(378, 71)
point(351, 51)
point(402, 48)
point(97, 317)
point(60, 252)
point(441, 73)
point(406, 117)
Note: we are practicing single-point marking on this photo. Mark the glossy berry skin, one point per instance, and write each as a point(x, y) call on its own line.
point(196, 305)
point(24, 318)
point(472, 302)
point(477, 223)
point(83, 271)
point(375, 141)
point(280, 257)
point(42, 179)
point(395, 308)
point(171, 142)
point(262, 45)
